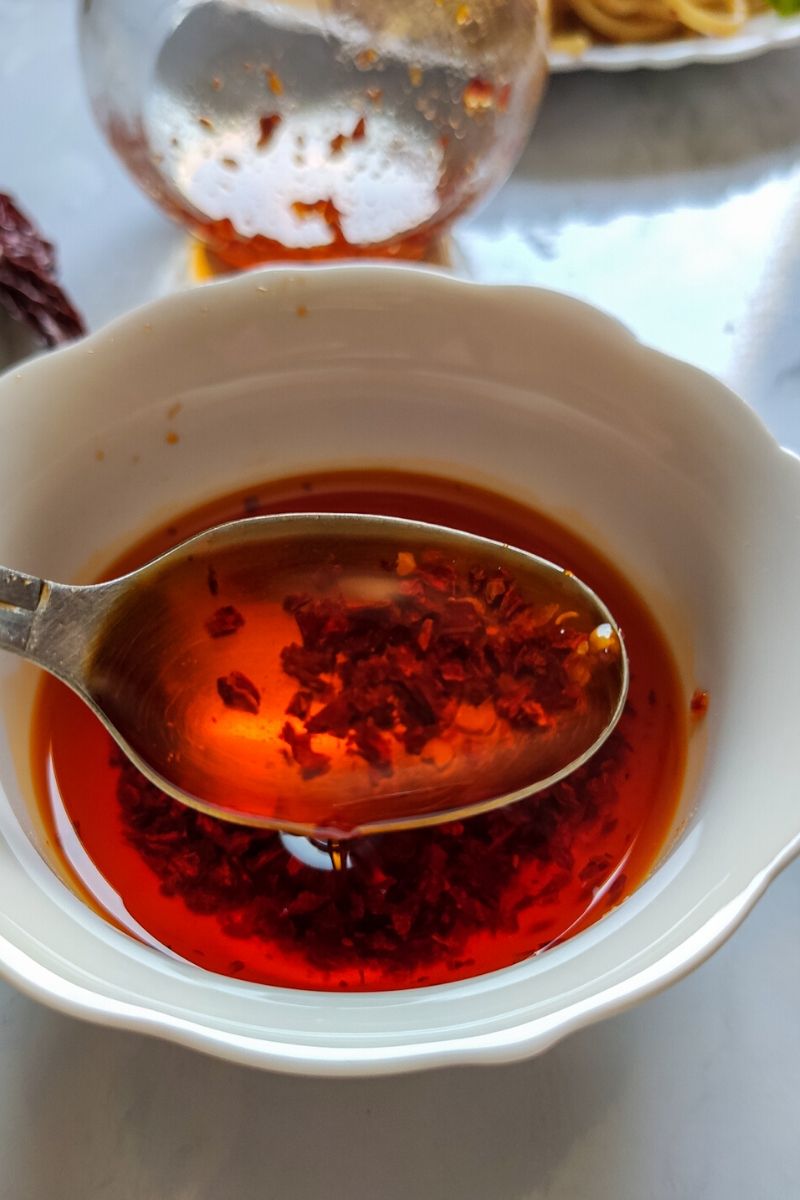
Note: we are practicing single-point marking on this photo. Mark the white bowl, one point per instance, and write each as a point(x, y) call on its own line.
point(523, 390)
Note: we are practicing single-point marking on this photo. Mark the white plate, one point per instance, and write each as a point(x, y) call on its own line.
point(762, 33)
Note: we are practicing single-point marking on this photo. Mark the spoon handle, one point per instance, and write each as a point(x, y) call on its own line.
point(20, 595)
point(52, 624)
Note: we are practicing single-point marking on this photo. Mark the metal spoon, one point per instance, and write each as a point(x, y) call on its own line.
point(153, 653)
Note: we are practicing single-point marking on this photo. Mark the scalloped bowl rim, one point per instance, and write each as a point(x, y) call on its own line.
point(518, 1040)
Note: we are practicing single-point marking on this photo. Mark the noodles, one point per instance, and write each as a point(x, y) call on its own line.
point(575, 24)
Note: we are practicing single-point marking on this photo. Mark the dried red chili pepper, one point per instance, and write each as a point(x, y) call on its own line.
point(28, 287)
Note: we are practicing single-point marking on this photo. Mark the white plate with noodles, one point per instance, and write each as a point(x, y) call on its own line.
point(663, 33)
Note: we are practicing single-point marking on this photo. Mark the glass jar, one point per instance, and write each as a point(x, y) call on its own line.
point(319, 129)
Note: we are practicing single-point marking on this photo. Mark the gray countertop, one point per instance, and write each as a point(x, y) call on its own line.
point(673, 201)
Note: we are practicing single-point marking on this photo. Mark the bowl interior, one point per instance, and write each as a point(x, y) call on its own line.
point(527, 393)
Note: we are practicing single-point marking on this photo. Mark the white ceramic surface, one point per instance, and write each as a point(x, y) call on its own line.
point(521, 389)
point(765, 32)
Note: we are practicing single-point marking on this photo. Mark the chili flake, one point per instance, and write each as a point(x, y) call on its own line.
point(406, 909)
point(449, 654)
point(239, 692)
point(267, 126)
point(309, 761)
point(225, 621)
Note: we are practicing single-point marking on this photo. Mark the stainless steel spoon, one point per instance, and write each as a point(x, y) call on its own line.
point(152, 654)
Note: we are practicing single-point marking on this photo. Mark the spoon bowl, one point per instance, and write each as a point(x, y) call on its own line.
point(335, 675)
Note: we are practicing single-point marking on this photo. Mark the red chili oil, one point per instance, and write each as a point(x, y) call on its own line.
point(408, 908)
